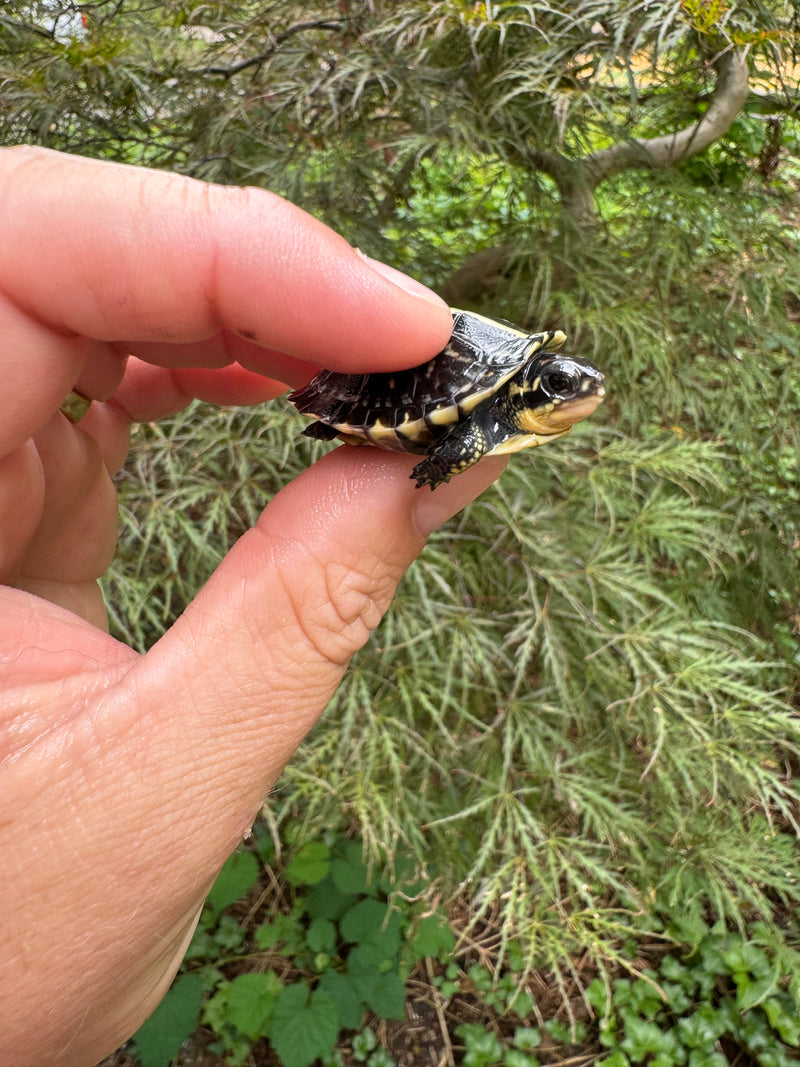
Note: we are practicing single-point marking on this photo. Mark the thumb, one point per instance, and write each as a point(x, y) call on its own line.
point(262, 648)
point(162, 762)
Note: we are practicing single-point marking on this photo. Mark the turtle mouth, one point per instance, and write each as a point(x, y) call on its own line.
point(570, 411)
point(559, 415)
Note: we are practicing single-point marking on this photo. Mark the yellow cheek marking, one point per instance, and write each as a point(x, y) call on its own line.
point(536, 421)
point(530, 440)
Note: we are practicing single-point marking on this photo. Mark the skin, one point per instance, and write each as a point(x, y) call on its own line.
point(126, 780)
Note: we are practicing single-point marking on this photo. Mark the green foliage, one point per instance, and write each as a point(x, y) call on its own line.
point(304, 1025)
point(238, 875)
point(484, 1048)
point(737, 987)
point(158, 1040)
point(338, 949)
point(334, 953)
point(582, 706)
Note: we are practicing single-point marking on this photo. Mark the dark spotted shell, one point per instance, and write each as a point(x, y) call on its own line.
point(404, 407)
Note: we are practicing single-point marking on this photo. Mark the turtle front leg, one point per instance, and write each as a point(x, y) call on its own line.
point(456, 452)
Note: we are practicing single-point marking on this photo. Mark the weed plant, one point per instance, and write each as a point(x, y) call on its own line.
point(317, 958)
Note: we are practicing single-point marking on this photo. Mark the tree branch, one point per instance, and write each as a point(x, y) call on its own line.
point(726, 102)
point(277, 40)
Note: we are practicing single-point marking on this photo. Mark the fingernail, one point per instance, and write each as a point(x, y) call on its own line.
point(403, 281)
point(431, 509)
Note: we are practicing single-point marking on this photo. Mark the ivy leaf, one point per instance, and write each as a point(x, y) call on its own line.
point(321, 936)
point(377, 981)
point(158, 1040)
point(375, 923)
point(310, 864)
point(238, 876)
point(342, 991)
point(250, 1001)
point(433, 938)
point(304, 1027)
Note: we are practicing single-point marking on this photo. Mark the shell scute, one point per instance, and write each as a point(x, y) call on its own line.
point(481, 355)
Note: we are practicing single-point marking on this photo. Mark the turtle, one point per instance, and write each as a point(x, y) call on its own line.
point(493, 389)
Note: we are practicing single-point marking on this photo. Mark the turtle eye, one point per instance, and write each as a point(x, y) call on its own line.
point(561, 383)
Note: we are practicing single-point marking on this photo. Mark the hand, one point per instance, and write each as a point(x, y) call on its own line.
point(126, 780)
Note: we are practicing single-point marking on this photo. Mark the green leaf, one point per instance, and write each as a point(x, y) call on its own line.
point(350, 1006)
point(521, 1002)
point(597, 994)
point(158, 1040)
point(229, 934)
point(304, 1027)
point(349, 873)
point(238, 876)
point(433, 937)
point(676, 997)
point(779, 1010)
point(643, 1037)
point(698, 1032)
point(381, 1057)
point(616, 1059)
point(203, 946)
point(707, 1059)
point(527, 1038)
point(483, 1046)
point(377, 981)
point(559, 1030)
point(309, 865)
point(364, 1043)
point(251, 999)
point(749, 992)
point(326, 901)
point(373, 922)
point(284, 930)
point(321, 936)
point(513, 1057)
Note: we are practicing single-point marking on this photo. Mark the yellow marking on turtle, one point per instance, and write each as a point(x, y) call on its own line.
point(352, 439)
point(470, 402)
point(525, 440)
point(444, 416)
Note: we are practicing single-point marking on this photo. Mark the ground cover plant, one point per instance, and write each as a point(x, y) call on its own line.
point(579, 721)
point(319, 957)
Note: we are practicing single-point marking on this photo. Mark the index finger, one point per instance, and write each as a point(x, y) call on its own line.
point(121, 253)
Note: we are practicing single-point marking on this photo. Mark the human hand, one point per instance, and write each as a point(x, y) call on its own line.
point(126, 780)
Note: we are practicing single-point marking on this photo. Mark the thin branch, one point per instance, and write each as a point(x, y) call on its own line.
point(726, 102)
point(277, 41)
point(27, 27)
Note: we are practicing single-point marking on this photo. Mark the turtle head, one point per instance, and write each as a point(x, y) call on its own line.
point(553, 392)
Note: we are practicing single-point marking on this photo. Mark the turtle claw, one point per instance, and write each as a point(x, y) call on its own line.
point(429, 473)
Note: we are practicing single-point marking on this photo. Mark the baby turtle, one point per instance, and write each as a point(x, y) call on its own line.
point(493, 389)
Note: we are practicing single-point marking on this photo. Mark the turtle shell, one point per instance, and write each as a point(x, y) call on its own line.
point(406, 410)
